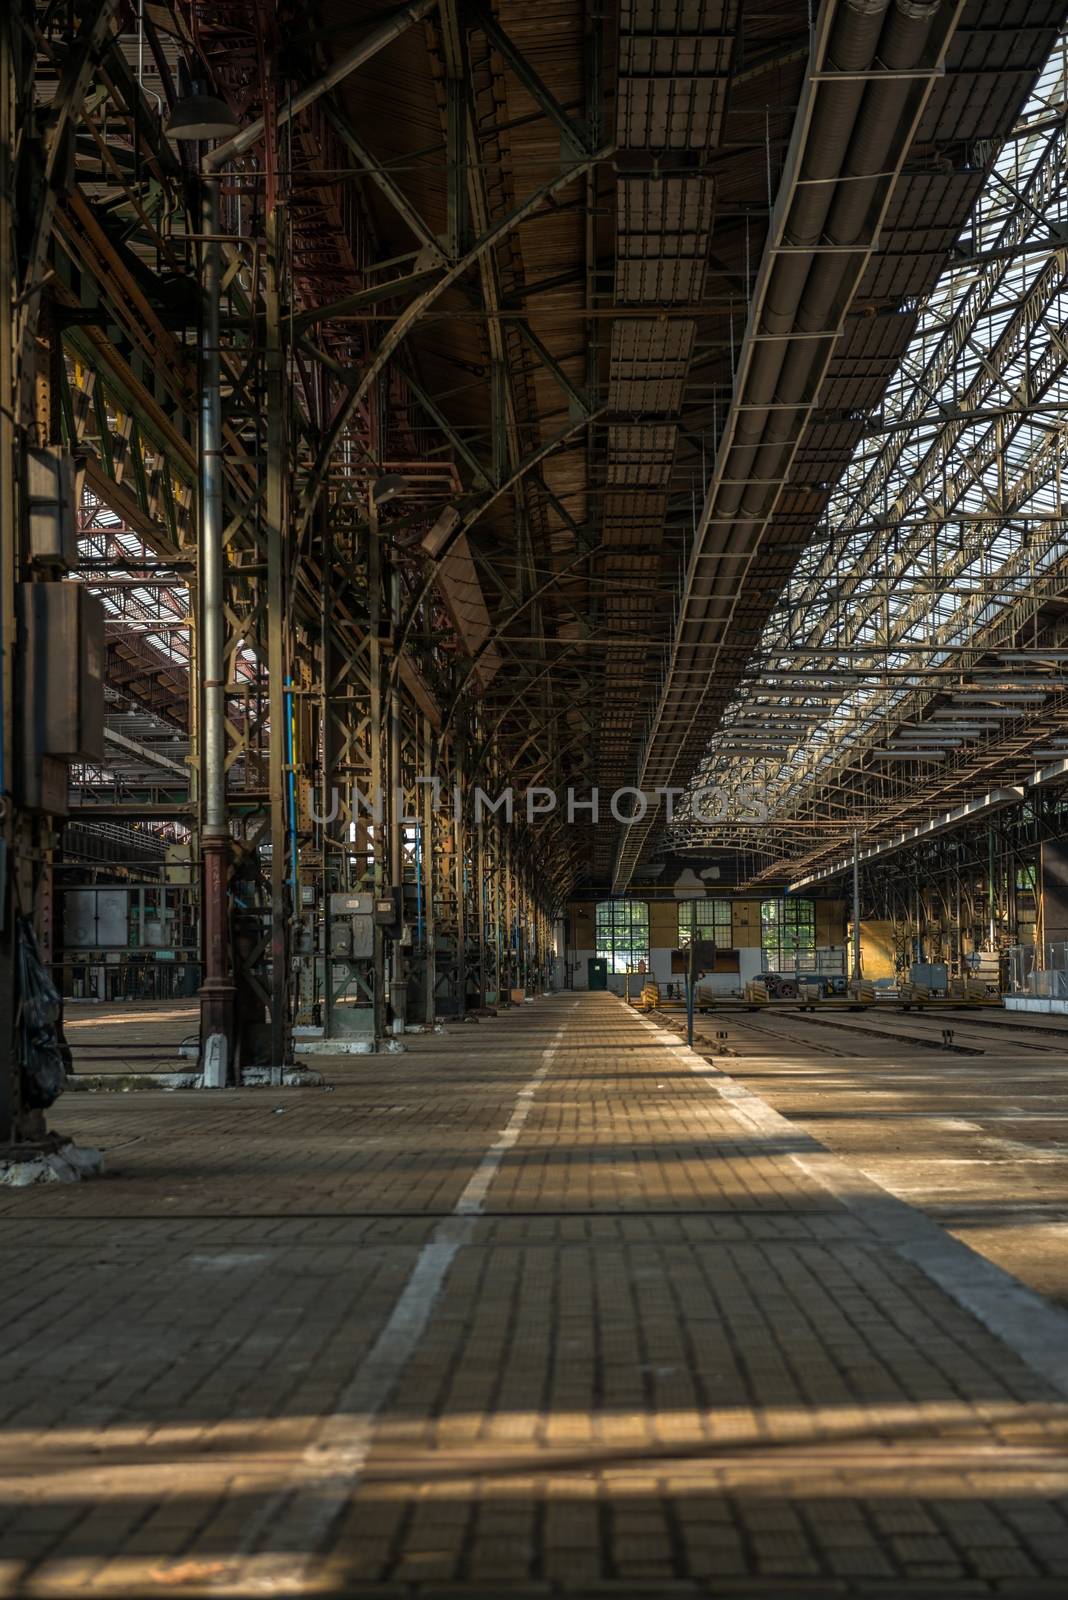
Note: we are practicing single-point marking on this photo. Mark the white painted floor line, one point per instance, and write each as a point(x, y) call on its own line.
point(1028, 1324)
point(471, 1201)
point(335, 1459)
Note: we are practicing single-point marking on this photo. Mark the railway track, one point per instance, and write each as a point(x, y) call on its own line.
point(968, 1035)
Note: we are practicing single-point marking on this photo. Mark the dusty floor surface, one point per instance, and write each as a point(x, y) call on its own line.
point(545, 1306)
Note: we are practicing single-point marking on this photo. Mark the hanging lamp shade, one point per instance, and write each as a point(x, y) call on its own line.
point(201, 116)
point(388, 487)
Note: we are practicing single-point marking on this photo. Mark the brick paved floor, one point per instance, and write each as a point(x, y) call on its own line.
point(979, 1141)
point(536, 1308)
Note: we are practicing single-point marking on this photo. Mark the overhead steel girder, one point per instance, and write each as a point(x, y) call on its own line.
point(934, 482)
point(409, 318)
point(1014, 578)
point(1047, 182)
point(381, 178)
point(62, 112)
point(479, 474)
point(370, 45)
point(680, 705)
point(576, 139)
point(473, 514)
point(498, 633)
point(987, 805)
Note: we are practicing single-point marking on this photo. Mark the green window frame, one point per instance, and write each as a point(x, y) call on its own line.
point(622, 933)
point(713, 922)
point(788, 934)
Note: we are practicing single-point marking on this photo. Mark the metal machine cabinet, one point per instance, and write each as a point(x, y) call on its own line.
point(352, 927)
point(51, 496)
point(348, 969)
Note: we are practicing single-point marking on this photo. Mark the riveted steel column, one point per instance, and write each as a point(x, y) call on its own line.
point(426, 867)
point(382, 802)
point(217, 990)
point(277, 664)
point(8, 554)
point(398, 985)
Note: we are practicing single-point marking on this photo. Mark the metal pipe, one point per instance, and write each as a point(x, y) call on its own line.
point(398, 990)
point(856, 907)
point(217, 992)
point(213, 664)
point(426, 841)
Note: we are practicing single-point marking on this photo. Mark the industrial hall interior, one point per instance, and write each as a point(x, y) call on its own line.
point(534, 799)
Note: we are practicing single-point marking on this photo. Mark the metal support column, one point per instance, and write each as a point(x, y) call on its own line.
point(9, 1085)
point(398, 986)
point(856, 907)
point(217, 990)
point(277, 664)
point(426, 868)
point(378, 751)
point(460, 887)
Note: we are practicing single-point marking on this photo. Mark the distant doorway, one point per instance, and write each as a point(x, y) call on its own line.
point(597, 972)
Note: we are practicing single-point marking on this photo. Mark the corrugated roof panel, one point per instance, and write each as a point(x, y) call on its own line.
point(660, 282)
point(640, 455)
point(670, 113)
point(649, 362)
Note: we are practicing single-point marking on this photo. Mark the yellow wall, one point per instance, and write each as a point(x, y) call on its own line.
point(876, 948)
point(745, 924)
point(663, 924)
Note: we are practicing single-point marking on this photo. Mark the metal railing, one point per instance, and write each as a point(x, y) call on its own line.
point(128, 980)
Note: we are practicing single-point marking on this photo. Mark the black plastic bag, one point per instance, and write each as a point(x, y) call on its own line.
point(40, 1052)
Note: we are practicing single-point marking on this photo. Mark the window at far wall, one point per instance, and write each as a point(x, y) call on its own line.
point(623, 934)
point(788, 935)
point(713, 922)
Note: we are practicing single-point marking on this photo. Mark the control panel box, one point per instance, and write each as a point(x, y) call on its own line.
point(352, 928)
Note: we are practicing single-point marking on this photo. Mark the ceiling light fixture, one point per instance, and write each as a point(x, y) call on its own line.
point(388, 487)
point(198, 116)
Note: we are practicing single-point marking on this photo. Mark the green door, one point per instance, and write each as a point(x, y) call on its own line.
point(597, 972)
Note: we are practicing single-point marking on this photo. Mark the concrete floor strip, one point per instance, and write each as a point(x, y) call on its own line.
point(337, 1456)
point(1033, 1329)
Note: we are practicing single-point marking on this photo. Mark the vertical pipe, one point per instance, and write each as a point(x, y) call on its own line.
point(991, 892)
point(291, 751)
point(217, 991)
point(398, 989)
point(856, 907)
point(329, 879)
point(9, 1075)
point(211, 519)
point(280, 747)
point(480, 889)
point(692, 973)
point(459, 887)
point(429, 824)
point(382, 802)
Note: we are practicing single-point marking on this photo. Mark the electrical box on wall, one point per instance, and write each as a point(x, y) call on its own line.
point(51, 496)
point(59, 688)
point(387, 910)
point(352, 931)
